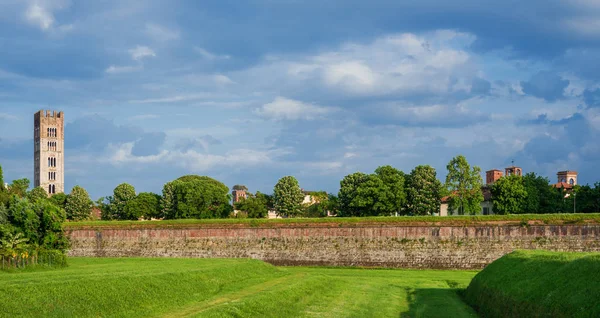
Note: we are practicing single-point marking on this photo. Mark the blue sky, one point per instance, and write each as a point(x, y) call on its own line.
point(250, 91)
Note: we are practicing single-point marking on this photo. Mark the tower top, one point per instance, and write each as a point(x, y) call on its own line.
point(49, 114)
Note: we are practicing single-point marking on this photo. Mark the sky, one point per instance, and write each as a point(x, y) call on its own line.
point(250, 91)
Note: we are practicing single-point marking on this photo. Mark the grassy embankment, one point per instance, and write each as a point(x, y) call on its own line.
point(404, 220)
point(222, 288)
point(538, 284)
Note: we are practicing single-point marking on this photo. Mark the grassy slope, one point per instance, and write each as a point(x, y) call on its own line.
point(405, 220)
point(223, 288)
point(538, 284)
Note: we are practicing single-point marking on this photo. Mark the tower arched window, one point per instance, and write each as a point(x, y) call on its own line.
point(53, 189)
point(50, 189)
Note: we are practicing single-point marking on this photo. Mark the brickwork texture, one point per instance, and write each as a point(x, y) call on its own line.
point(441, 247)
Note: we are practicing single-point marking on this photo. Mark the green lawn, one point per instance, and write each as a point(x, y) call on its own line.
point(129, 287)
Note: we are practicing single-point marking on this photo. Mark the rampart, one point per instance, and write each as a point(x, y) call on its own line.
point(444, 246)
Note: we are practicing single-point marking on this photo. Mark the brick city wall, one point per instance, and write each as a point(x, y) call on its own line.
point(448, 247)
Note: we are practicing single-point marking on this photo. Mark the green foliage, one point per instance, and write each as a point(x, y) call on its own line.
point(288, 197)
point(195, 197)
point(240, 187)
point(2, 189)
point(541, 196)
point(424, 191)
point(59, 199)
point(167, 202)
point(381, 193)
point(464, 186)
point(37, 194)
point(587, 199)
point(254, 206)
point(509, 195)
point(538, 284)
point(145, 205)
point(19, 187)
point(79, 204)
point(22, 214)
point(130, 287)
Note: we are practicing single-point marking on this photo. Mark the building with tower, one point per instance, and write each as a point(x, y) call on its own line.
point(566, 180)
point(48, 158)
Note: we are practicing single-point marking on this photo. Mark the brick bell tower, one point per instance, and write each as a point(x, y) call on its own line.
point(48, 151)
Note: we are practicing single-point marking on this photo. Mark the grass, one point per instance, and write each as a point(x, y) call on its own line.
point(130, 287)
point(538, 284)
point(518, 219)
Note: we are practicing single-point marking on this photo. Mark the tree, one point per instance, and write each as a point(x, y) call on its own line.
point(541, 196)
point(79, 204)
point(22, 214)
point(509, 195)
point(59, 199)
point(167, 202)
point(196, 197)
point(37, 193)
point(145, 205)
point(424, 191)
point(51, 234)
point(288, 197)
point(19, 187)
point(2, 189)
point(240, 187)
point(122, 194)
point(254, 205)
point(464, 185)
point(381, 193)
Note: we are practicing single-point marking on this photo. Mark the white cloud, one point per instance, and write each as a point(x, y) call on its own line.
point(113, 69)
point(194, 161)
point(172, 99)
point(7, 116)
point(144, 117)
point(210, 56)
point(160, 33)
point(140, 52)
point(39, 16)
point(288, 109)
point(40, 13)
point(223, 80)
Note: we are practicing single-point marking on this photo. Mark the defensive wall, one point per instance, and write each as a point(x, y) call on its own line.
point(420, 244)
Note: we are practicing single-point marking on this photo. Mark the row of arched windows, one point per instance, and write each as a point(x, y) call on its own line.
point(51, 189)
point(51, 162)
point(52, 145)
point(51, 175)
point(52, 132)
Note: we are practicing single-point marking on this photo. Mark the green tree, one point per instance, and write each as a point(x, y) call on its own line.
point(145, 205)
point(424, 191)
point(19, 187)
point(288, 197)
point(394, 192)
point(167, 201)
point(79, 204)
point(541, 196)
point(196, 197)
point(464, 186)
point(509, 195)
point(1, 180)
point(22, 214)
point(59, 199)
point(254, 205)
point(381, 193)
point(36, 194)
point(51, 234)
point(122, 194)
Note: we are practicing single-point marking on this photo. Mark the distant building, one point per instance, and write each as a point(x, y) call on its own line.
point(48, 158)
point(566, 180)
